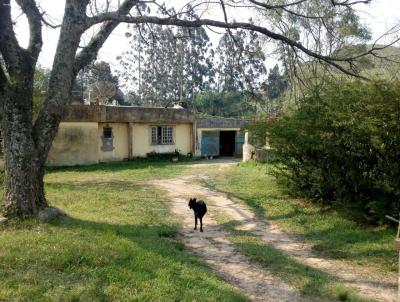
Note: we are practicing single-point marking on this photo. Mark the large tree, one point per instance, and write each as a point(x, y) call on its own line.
point(96, 83)
point(241, 61)
point(166, 65)
point(27, 141)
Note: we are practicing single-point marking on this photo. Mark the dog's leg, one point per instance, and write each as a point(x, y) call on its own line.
point(195, 222)
point(201, 224)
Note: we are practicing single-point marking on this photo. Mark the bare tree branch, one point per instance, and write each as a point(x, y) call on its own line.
point(277, 6)
point(9, 47)
point(231, 25)
point(61, 79)
point(35, 27)
point(349, 3)
point(47, 23)
point(89, 53)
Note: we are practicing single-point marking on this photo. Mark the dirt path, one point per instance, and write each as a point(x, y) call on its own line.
point(219, 253)
point(258, 284)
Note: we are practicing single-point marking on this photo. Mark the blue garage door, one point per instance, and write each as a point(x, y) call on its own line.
point(210, 143)
point(239, 143)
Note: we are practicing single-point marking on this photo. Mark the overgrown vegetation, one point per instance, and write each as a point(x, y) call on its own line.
point(342, 145)
point(119, 244)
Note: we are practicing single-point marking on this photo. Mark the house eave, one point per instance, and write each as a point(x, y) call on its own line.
point(112, 114)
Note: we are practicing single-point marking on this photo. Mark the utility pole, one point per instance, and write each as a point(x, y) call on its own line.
point(140, 70)
point(181, 74)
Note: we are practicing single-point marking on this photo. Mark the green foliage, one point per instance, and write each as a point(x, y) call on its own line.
point(166, 64)
point(276, 83)
point(224, 103)
point(40, 82)
point(97, 82)
point(154, 156)
point(240, 61)
point(343, 145)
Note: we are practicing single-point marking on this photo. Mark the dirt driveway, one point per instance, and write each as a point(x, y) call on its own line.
point(219, 253)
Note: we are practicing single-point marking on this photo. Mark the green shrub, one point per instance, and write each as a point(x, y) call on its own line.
point(342, 144)
point(154, 156)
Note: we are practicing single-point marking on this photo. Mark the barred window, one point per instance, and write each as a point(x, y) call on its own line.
point(154, 137)
point(162, 135)
point(107, 132)
point(167, 136)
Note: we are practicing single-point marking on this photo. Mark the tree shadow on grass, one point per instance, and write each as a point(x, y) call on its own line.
point(94, 184)
point(130, 254)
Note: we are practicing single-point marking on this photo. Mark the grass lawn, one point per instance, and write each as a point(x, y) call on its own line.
point(119, 244)
point(331, 232)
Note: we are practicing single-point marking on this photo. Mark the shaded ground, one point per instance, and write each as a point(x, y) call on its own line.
point(260, 285)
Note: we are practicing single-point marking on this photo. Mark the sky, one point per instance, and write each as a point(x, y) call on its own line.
point(380, 16)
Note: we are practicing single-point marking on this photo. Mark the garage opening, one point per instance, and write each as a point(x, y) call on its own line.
point(227, 143)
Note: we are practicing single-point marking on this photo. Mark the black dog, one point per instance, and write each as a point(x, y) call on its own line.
point(200, 209)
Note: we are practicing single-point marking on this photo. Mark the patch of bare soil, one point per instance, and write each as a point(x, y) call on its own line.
point(258, 284)
point(219, 253)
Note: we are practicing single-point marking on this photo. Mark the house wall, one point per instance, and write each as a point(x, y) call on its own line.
point(120, 142)
point(141, 141)
point(81, 143)
point(75, 144)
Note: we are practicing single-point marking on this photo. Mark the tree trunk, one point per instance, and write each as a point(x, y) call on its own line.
point(23, 183)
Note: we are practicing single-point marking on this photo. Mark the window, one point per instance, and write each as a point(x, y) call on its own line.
point(162, 135)
point(167, 137)
point(107, 140)
point(107, 132)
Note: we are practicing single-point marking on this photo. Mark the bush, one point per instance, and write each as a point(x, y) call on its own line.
point(154, 156)
point(342, 144)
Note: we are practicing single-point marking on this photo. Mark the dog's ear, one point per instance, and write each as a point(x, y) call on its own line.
point(194, 199)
